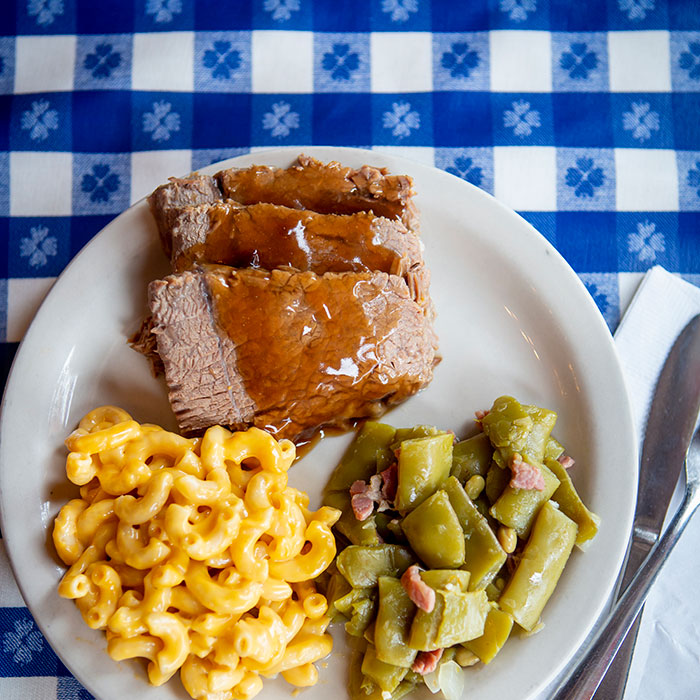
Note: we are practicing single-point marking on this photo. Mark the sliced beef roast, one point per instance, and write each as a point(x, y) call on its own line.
point(269, 236)
point(168, 199)
point(328, 188)
point(288, 351)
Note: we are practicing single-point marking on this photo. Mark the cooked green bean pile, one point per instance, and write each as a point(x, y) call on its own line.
point(446, 546)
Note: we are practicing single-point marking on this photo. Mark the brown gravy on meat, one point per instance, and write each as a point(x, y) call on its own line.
point(315, 346)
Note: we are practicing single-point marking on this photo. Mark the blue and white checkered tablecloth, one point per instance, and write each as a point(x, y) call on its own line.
point(584, 116)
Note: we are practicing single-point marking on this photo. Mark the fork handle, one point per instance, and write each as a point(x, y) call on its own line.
point(612, 685)
point(583, 679)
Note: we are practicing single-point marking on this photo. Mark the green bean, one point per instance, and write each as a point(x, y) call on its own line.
point(517, 508)
point(344, 603)
point(417, 431)
point(447, 579)
point(381, 522)
point(393, 624)
point(554, 449)
point(362, 614)
point(337, 588)
point(394, 527)
point(471, 457)
point(543, 421)
point(360, 459)
point(457, 617)
point(496, 632)
point(513, 427)
point(483, 555)
point(540, 566)
point(571, 504)
point(434, 533)
point(360, 532)
point(386, 676)
point(424, 463)
point(497, 479)
point(362, 566)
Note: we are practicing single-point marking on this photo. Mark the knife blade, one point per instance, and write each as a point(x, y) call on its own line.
point(670, 425)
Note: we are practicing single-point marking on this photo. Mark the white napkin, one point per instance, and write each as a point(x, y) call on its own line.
point(666, 662)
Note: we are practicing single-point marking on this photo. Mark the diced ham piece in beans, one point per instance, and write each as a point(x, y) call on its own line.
point(525, 475)
point(362, 506)
point(480, 414)
point(426, 661)
point(418, 590)
point(365, 495)
point(358, 486)
point(566, 461)
point(390, 477)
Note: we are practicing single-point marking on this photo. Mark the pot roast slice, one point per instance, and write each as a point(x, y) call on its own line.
point(167, 200)
point(288, 351)
point(328, 188)
point(268, 236)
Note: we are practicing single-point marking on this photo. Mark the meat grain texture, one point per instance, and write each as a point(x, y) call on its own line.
point(321, 314)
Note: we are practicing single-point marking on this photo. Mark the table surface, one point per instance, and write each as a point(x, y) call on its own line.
point(582, 116)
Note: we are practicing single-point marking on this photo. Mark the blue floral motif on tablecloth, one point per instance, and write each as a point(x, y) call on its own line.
point(636, 10)
point(102, 61)
point(690, 60)
point(25, 640)
point(603, 287)
point(280, 120)
point(45, 11)
point(162, 121)
point(646, 242)
point(40, 120)
point(518, 10)
point(641, 121)
point(101, 182)
point(401, 120)
point(460, 60)
point(685, 61)
point(475, 165)
point(341, 62)
point(222, 59)
point(399, 10)
point(585, 179)
point(163, 11)
point(521, 118)
point(466, 169)
point(38, 246)
point(281, 10)
point(580, 61)
point(693, 178)
point(688, 163)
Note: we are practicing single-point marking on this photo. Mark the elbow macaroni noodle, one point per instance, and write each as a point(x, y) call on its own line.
point(195, 554)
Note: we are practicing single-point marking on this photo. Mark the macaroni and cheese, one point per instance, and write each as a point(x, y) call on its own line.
point(195, 554)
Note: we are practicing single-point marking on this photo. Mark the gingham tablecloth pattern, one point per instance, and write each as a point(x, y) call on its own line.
point(582, 116)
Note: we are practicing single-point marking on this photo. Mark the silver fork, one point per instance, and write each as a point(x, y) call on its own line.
point(583, 679)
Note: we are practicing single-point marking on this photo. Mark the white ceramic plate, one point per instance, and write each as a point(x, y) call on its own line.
point(512, 318)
